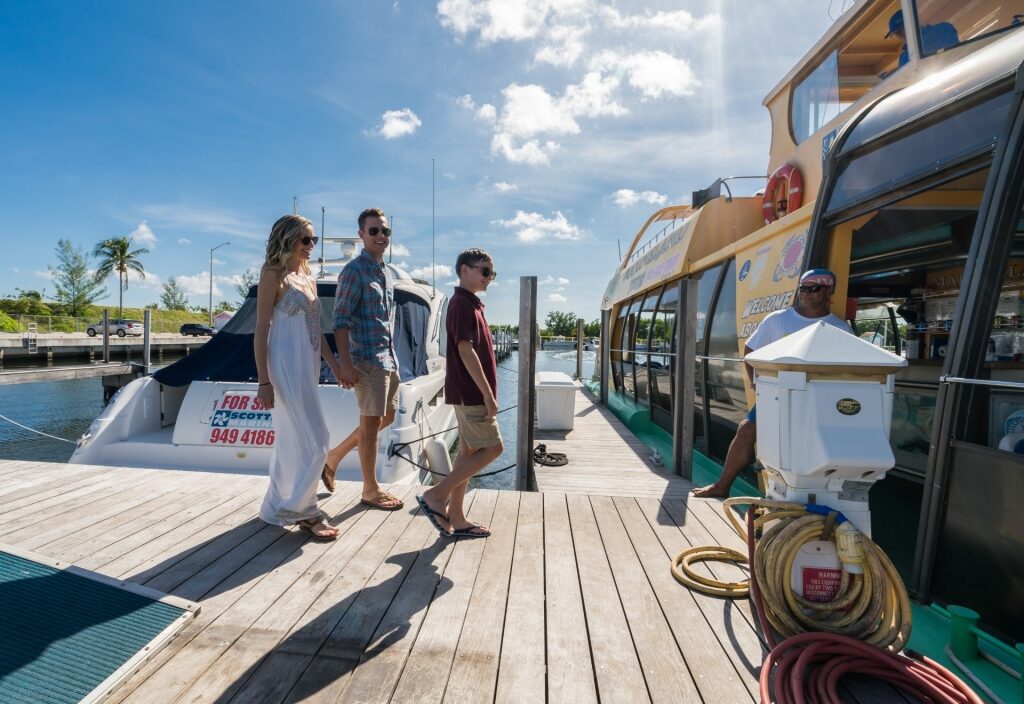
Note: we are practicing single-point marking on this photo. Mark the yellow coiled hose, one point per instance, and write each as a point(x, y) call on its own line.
point(873, 607)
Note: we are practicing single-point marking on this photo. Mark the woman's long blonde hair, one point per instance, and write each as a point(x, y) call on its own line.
point(283, 236)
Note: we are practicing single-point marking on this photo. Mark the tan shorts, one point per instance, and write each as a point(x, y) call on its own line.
point(377, 390)
point(476, 430)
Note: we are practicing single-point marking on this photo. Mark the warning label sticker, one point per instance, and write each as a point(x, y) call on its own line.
point(821, 584)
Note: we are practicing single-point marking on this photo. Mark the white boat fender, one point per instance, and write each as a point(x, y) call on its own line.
point(437, 456)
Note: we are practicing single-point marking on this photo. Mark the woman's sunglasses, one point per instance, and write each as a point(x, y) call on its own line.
point(488, 272)
point(374, 231)
point(306, 240)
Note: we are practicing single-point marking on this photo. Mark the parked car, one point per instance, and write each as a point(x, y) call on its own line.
point(196, 329)
point(118, 326)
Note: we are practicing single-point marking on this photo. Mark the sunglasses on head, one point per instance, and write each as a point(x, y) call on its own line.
point(307, 240)
point(374, 231)
point(486, 271)
point(810, 288)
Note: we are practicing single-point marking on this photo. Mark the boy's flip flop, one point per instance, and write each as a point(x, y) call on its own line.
point(549, 459)
point(474, 531)
point(433, 515)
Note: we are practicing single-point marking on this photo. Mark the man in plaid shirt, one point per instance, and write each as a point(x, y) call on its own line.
point(362, 331)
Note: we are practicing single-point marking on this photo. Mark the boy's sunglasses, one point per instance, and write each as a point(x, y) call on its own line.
point(810, 288)
point(487, 271)
point(307, 240)
point(374, 231)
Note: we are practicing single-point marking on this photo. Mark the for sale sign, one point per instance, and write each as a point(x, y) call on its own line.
point(238, 418)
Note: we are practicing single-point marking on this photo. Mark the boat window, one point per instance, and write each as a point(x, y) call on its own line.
point(628, 353)
point(640, 344)
point(944, 24)
point(816, 98)
point(662, 368)
point(935, 146)
point(726, 397)
point(707, 282)
point(615, 347)
point(858, 60)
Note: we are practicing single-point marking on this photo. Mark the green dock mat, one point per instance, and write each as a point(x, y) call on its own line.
point(68, 635)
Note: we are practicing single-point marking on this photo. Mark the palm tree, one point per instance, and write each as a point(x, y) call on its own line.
point(117, 255)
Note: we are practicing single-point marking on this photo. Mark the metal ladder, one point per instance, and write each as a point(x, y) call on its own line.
point(32, 338)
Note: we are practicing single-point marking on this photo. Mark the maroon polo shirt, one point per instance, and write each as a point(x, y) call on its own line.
point(466, 322)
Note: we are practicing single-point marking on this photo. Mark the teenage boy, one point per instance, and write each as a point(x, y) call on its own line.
point(362, 333)
point(471, 387)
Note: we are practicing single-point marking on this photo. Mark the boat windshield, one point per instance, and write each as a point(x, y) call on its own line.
point(943, 24)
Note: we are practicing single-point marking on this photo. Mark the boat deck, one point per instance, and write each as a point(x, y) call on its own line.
point(570, 599)
point(605, 458)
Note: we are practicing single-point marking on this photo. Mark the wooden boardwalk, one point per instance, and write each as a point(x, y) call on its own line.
point(605, 458)
point(570, 600)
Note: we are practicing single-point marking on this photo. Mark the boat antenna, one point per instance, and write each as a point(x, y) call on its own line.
point(433, 257)
point(619, 243)
point(323, 236)
point(391, 249)
point(295, 205)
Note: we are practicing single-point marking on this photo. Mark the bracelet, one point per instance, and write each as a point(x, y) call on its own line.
point(265, 383)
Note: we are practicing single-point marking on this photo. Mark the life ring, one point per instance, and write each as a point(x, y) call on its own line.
point(775, 203)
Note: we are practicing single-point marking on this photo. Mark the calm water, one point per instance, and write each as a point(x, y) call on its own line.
point(66, 408)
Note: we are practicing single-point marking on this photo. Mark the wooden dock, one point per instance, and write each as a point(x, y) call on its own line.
point(605, 458)
point(62, 373)
point(570, 600)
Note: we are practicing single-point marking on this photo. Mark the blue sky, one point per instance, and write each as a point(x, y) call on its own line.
point(557, 128)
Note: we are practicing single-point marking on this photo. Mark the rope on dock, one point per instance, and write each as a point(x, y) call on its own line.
point(37, 432)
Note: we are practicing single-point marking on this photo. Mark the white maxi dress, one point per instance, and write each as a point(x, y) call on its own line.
point(301, 437)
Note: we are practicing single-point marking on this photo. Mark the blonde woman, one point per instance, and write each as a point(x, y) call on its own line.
point(288, 346)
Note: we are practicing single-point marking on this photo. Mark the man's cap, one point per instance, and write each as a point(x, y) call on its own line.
point(895, 23)
point(819, 276)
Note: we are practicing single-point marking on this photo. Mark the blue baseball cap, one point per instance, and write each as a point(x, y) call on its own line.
point(819, 276)
point(895, 23)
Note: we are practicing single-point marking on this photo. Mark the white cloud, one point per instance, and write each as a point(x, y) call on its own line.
point(505, 187)
point(557, 298)
point(653, 73)
point(199, 284)
point(534, 227)
point(184, 241)
point(143, 235)
point(676, 22)
point(562, 280)
point(563, 45)
point(487, 113)
point(398, 123)
point(626, 197)
point(502, 20)
point(399, 250)
point(425, 272)
point(465, 101)
point(219, 222)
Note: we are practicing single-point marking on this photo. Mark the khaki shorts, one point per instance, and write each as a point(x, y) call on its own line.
point(377, 390)
point(476, 431)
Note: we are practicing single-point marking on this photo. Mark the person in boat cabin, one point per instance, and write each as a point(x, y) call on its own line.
point(933, 36)
point(813, 303)
point(288, 345)
point(366, 352)
point(471, 387)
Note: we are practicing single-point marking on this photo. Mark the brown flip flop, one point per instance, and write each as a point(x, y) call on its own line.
point(328, 476)
point(310, 524)
point(380, 502)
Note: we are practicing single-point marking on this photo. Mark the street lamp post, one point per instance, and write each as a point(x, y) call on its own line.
point(222, 244)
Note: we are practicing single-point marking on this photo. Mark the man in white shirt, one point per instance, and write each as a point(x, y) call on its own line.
point(813, 303)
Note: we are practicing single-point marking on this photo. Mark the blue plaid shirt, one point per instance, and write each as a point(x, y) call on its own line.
point(362, 305)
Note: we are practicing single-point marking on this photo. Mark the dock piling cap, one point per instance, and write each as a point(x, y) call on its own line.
point(821, 347)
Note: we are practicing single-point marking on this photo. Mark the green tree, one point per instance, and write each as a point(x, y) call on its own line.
point(26, 303)
point(223, 306)
point(593, 328)
point(249, 279)
point(173, 297)
point(116, 254)
point(559, 323)
point(77, 289)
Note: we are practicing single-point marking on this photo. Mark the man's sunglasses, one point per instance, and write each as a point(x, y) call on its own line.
point(307, 240)
point(810, 288)
point(374, 231)
point(488, 272)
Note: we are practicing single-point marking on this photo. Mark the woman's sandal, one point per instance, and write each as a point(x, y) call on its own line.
point(328, 475)
point(309, 525)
